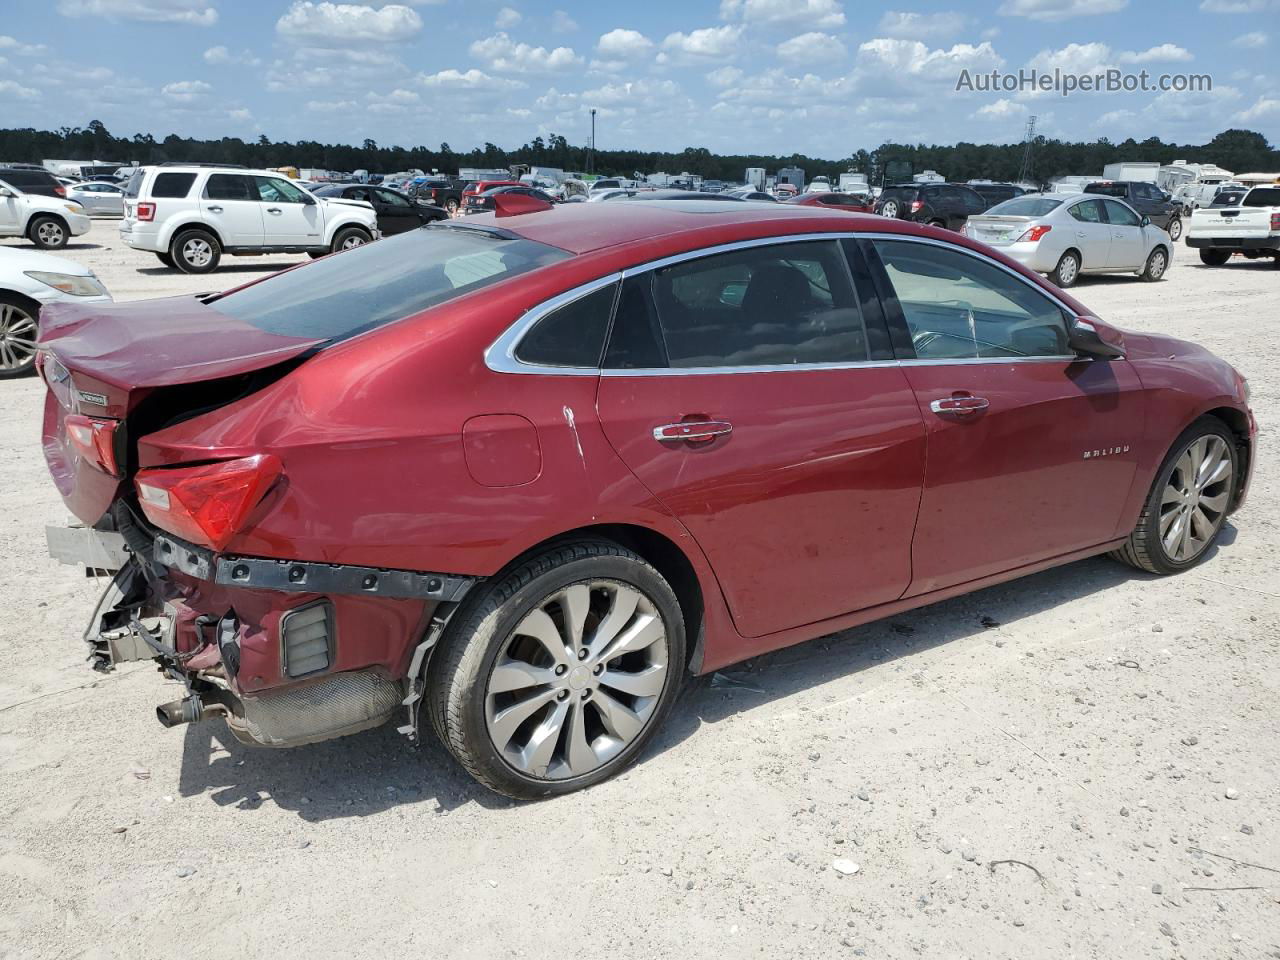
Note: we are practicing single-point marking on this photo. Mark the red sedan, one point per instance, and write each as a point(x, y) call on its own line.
point(848, 202)
point(517, 476)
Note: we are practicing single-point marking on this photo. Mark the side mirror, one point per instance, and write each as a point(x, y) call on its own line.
point(5, 192)
point(1146, 221)
point(308, 200)
point(1090, 337)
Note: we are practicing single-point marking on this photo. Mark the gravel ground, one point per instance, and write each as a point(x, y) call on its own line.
point(1083, 763)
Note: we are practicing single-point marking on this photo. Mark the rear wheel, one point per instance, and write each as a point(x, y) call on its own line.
point(1157, 264)
point(195, 251)
point(1214, 258)
point(1067, 272)
point(1175, 229)
point(48, 233)
point(19, 319)
point(556, 676)
point(167, 260)
point(1188, 502)
point(348, 238)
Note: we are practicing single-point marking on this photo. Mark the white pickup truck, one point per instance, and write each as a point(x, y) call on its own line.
point(1251, 229)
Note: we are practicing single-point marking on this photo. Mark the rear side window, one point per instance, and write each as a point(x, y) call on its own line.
point(573, 335)
point(167, 185)
point(230, 186)
point(1263, 197)
point(778, 305)
point(1088, 212)
point(959, 306)
point(378, 283)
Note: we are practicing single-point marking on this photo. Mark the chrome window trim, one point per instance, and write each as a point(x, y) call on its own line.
point(501, 358)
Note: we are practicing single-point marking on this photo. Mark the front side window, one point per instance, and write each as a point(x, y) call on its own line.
point(392, 198)
point(958, 306)
point(274, 190)
point(777, 305)
point(1121, 216)
point(571, 335)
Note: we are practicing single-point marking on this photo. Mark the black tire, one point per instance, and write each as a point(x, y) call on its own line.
point(1144, 549)
point(317, 254)
point(1175, 229)
point(1067, 272)
point(940, 224)
point(1214, 258)
point(481, 629)
point(19, 321)
point(48, 233)
point(1157, 265)
point(167, 260)
point(890, 209)
point(195, 251)
point(451, 205)
point(348, 238)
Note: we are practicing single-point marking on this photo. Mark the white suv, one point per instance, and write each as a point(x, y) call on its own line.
point(188, 215)
point(47, 222)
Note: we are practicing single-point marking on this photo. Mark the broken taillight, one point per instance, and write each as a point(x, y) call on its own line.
point(206, 505)
point(94, 440)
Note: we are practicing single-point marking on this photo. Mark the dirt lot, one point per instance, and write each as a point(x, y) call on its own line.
point(1083, 763)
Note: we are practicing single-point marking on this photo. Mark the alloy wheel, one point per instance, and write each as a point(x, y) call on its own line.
point(578, 679)
point(1159, 263)
point(197, 252)
point(1194, 502)
point(50, 233)
point(17, 338)
point(353, 241)
point(890, 209)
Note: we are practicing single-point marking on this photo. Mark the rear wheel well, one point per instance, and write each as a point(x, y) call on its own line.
point(1238, 423)
point(197, 225)
point(661, 553)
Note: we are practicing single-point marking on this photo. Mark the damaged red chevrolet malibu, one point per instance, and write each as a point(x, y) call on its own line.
point(516, 478)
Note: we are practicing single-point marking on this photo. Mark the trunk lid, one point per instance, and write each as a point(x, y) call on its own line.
point(144, 364)
point(996, 230)
point(1231, 222)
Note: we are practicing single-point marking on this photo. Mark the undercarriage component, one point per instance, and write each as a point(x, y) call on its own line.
point(319, 709)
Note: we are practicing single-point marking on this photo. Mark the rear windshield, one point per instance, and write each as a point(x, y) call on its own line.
point(1263, 197)
point(1108, 189)
point(378, 283)
point(1025, 207)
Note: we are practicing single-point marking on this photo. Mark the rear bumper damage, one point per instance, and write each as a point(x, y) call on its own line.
point(288, 652)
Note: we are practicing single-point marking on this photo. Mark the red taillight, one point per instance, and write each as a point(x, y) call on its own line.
point(206, 505)
point(94, 440)
point(60, 190)
point(1275, 222)
point(146, 211)
point(916, 205)
point(1034, 234)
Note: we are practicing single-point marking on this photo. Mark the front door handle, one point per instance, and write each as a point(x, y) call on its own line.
point(959, 406)
point(693, 431)
point(273, 209)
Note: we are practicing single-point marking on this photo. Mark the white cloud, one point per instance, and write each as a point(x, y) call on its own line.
point(1060, 9)
point(220, 56)
point(1001, 110)
point(810, 13)
point(708, 43)
point(561, 22)
point(8, 88)
point(507, 18)
point(198, 13)
point(330, 106)
point(338, 25)
point(1267, 108)
point(895, 60)
point(623, 44)
point(1078, 58)
point(22, 49)
point(1253, 40)
point(240, 114)
point(505, 55)
point(922, 26)
point(724, 77)
point(185, 91)
point(1239, 6)
point(1165, 53)
point(473, 80)
point(814, 47)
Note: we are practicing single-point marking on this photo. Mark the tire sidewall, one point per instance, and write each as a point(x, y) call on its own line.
point(175, 251)
point(340, 237)
point(1148, 273)
point(33, 233)
point(1175, 229)
point(497, 618)
point(1056, 276)
point(1201, 428)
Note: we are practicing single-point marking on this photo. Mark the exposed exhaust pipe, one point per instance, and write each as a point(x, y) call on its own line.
point(187, 710)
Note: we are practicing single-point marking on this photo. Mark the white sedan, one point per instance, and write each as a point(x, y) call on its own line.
point(1067, 235)
point(29, 280)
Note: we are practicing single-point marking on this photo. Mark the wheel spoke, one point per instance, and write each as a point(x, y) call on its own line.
point(620, 612)
point(1201, 526)
point(539, 625)
point(1171, 495)
point(1218, 504)
point(644, 683)
point(643, 631)
point(537, 753)
point(575, 604)
point(578, 753)
point(618, 719)
point(1218, 473)
point(517, 675)
point(1171, 536)
point(503, 725)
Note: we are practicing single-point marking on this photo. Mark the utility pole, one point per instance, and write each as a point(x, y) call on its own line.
point(591, 155)
point(1026, 150)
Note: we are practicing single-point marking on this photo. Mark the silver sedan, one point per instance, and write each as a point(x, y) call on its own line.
point(98, 199)
point(1067, 235)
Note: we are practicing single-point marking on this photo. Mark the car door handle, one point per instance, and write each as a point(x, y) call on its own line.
point(214, 209)
point(959, 406)
point(693, 431)
point(275, 210)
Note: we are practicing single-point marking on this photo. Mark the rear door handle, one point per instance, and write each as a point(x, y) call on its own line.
point(959, 406)
point(693, 431)
point(214, 209)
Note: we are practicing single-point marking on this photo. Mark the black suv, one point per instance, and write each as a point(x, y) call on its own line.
point(1148, 199)
point(940, 204)
point(993, 193)
point(30, 179)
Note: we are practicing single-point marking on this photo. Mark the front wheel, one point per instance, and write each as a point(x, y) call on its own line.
point(1175, 229)
point(1157, 264)
point(889, 209)
point(348, 238)
point(556, 676)
point(48, 233)
point(1067, 272)
point(19, 318)
point(1214, 258)
point(452, 206)
point(1188, 502)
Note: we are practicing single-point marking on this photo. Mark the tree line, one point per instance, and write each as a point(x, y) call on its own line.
point(1237, 150)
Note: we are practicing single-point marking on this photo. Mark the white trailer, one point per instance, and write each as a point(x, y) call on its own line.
point(1142, 171)
point(854, 183)
point(755, 177)
point(929, 176)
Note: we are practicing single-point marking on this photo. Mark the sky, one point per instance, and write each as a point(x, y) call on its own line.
point(818, 77)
